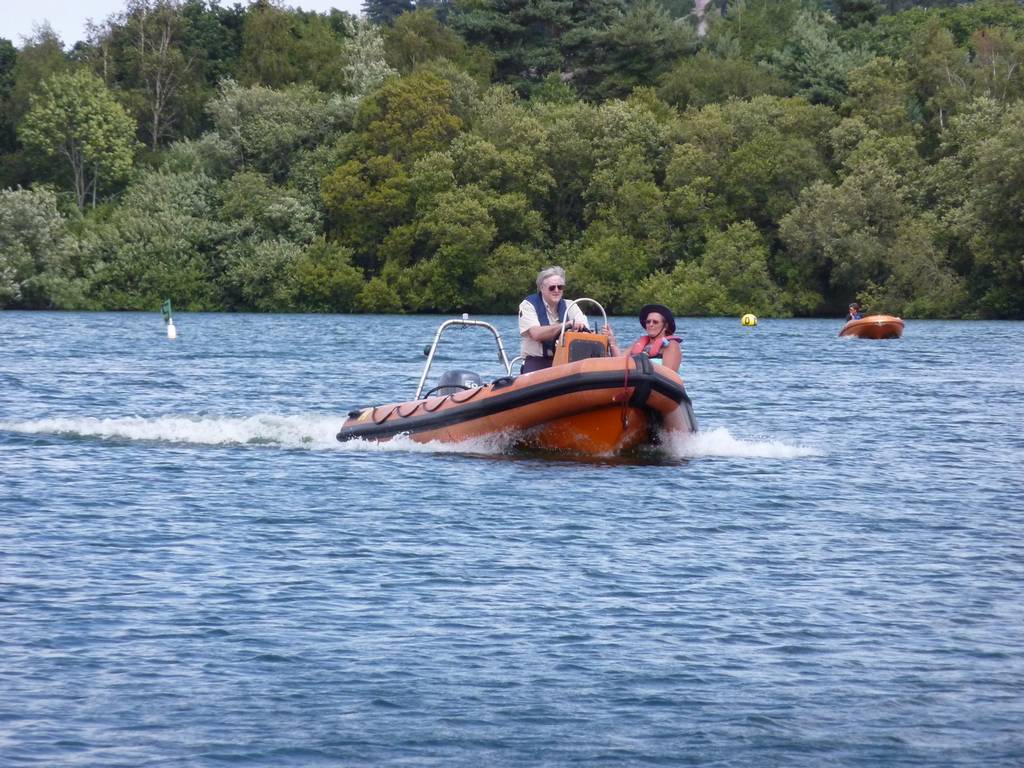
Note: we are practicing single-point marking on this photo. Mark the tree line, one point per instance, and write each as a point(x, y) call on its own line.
point(781, 157)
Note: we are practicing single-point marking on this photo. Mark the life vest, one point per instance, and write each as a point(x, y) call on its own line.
point(645, 344)
point(542, 315)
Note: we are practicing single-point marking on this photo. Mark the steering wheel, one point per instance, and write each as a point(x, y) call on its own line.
point(565, 320)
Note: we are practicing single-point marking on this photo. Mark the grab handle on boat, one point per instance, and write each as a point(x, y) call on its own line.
point(572, 303)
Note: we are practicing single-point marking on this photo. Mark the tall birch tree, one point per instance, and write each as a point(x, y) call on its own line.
point(76, 120)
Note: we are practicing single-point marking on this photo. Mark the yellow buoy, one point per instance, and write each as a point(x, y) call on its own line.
point(749, 320)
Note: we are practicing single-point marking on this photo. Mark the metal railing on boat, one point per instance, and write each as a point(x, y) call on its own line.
point(463, 322)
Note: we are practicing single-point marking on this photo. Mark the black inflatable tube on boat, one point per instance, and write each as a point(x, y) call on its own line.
point(644, 379)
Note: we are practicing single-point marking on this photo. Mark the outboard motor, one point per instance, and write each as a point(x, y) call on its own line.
point(457, 381)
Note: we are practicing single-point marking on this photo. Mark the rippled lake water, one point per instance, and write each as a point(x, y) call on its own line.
point(194, 572)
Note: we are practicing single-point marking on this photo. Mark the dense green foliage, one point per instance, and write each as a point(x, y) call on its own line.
point(783, 157)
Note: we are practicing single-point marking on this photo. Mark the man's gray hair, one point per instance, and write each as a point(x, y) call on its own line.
point(547, 272)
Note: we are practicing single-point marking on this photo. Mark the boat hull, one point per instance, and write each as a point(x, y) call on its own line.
point(595, 406)
point(874, 327)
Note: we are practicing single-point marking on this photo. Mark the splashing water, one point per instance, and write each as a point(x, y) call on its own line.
point(719, 442)
point(317, 432)
point(308, 431)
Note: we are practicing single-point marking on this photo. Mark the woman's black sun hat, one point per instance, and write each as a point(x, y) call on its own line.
point(661, 309)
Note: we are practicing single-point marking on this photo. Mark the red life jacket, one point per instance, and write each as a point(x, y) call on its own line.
point(651, 347)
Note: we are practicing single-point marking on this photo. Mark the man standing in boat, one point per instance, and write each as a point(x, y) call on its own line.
point(540, 319)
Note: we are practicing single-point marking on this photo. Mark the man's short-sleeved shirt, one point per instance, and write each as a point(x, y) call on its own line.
point(528, 319)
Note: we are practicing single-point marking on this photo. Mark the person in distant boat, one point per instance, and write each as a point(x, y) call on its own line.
point(540, 319)
point(659, 341)
point(854, 312)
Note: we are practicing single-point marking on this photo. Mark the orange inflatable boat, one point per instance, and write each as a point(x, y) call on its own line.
point(586, 403)
point(874, 327)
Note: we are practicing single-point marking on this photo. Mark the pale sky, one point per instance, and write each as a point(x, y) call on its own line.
point(68, 17)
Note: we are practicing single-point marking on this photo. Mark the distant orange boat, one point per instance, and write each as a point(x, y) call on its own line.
point(586, 403)
point(874, 327)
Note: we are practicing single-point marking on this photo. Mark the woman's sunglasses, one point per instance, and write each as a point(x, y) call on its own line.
point(554, 288)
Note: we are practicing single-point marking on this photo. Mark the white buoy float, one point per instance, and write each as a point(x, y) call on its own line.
point(172, 332)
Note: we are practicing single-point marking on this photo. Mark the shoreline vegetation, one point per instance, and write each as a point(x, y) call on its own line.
point(781, 158)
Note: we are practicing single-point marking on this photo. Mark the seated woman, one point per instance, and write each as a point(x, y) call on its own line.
point(659, 342)
point(854, 312)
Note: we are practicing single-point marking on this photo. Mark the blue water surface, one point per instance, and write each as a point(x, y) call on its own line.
point(194, 572)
